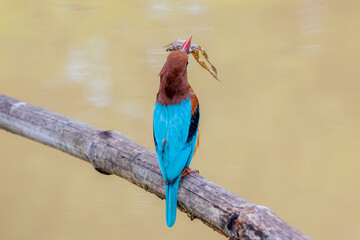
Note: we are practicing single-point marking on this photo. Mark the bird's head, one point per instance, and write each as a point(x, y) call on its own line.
point(176, 64)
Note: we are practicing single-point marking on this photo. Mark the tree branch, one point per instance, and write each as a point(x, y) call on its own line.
point(111, 152)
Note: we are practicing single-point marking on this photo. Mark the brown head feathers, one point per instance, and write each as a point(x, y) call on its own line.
point(174, 86)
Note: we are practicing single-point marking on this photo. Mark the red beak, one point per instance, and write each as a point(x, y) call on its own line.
point(186, 46)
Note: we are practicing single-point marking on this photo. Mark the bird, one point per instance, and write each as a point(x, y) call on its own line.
point(175, 125)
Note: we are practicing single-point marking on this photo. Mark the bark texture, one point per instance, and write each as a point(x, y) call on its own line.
point(110, 152)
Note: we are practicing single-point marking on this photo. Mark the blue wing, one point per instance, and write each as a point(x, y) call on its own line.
point(171, 131)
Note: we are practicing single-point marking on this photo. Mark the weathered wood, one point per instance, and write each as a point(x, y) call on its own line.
point(111, 152)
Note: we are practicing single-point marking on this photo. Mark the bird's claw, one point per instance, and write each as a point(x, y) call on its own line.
point(187, 171)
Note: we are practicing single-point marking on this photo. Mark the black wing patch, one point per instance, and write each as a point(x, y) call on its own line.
point(194, 124)
point(154, 137)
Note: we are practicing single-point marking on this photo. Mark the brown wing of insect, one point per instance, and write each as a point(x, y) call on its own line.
point(195, 50)
point(213, 70)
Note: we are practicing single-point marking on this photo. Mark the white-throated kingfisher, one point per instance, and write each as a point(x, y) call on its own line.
point(175, 125)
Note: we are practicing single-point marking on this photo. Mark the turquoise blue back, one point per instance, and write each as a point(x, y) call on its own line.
point(173, 148)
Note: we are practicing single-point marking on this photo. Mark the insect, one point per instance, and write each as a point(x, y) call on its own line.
point(195, 50)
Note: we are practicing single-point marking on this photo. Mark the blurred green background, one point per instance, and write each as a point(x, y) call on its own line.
point(281, 130)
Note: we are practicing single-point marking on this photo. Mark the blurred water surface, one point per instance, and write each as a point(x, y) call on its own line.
point(281, 130)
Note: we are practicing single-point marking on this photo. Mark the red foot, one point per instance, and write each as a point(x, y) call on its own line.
point(187, 171)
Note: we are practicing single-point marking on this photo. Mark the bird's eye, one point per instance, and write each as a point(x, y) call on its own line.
point(187, 63)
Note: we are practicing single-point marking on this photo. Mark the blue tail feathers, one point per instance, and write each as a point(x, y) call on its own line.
point(171, 202)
